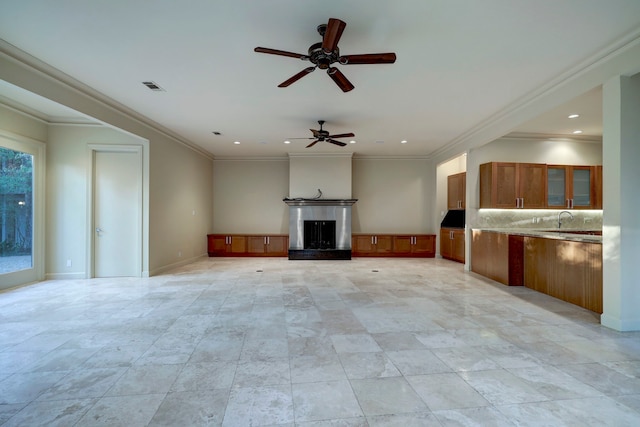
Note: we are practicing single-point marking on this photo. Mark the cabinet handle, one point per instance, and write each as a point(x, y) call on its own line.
point(571, 203)
point(268, 240)
point(372, 240)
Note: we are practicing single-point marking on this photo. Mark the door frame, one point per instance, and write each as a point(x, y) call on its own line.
point(37, 150)
point(91, 182)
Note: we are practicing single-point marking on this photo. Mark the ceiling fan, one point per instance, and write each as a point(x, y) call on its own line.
point(323, 54)
point(323, 135)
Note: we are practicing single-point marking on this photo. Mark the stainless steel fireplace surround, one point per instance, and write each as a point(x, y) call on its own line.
point(338, 210)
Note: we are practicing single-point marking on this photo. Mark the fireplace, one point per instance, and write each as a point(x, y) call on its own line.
point(319, 235)
point(319, 228)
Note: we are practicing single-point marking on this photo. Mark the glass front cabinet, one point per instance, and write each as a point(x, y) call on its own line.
point(570, 187)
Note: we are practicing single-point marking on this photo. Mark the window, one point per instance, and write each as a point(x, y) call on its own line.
point(16, 210)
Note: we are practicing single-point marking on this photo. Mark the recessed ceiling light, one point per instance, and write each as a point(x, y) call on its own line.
point(577, 131)
point(287, 142)
point(236, 142)
point(352, 142)
point(404, 141)
point(574, 116)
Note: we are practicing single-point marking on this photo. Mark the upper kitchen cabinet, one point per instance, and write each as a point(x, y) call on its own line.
point(574, 187)
point(513, 185)
point(456, 189)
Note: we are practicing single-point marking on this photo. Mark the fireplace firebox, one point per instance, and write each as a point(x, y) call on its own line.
point(319, 234)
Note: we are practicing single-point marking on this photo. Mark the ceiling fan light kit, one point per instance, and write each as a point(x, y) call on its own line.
point(323, 55)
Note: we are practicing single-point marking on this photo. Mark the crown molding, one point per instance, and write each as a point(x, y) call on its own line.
point(33, 64)
point(552, 137)
point(589, 72)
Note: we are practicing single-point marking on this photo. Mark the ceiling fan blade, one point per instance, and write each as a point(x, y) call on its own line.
point(368, 58)
point(342, 82)
point(316, 133)
point(313, 143)
point(297, 77)
point(333, 141)
point(343, 135)
point(332, 35)
point(280, 52)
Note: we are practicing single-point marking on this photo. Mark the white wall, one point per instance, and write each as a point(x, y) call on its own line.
point(180, 204)
point(248, 196)
point(394, 195)
point(22, 125)
point(329, 173)
point(67, 194)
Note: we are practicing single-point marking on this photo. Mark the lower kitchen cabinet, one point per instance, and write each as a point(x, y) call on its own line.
point(568, 270)
point(247, 245)
point(498, 256)
point(393, 245)
point(452, 244)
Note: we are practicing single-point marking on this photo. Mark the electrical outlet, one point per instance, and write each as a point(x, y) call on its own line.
point(68, 263)
point(179, 254)
point(193, 212)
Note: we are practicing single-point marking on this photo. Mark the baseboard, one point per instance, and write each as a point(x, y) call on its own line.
point(165, 268)
point(65, 276)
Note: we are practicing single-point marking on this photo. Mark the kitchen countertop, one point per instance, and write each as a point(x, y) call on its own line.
point(567, 234)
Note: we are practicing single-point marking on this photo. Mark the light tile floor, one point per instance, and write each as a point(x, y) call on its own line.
point(272, 342)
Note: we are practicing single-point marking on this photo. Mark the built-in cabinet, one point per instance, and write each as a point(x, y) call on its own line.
point(498, 256)
point(539, 186)
point(456, 190)
point(452, 244)
point(247, 245)
point(574, 187)
point(568, 270)
point(513, 185)
point(393, 245)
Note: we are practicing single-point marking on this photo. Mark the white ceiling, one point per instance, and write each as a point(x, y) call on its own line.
point(459, 64)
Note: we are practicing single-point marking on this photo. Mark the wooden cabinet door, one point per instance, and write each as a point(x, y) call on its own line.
point(256, 245)
point(216, 244)
point(532, 185)
point(277, 245)
point(581, 187)
point(384, 244)
point(498, 185)
point(597, 187)
point(456, 185)
point(446, 244)
point(424, 245)
point(557, 186)
point(238, 245)
point(402, 245)
point(457, 246)
point(362, 244)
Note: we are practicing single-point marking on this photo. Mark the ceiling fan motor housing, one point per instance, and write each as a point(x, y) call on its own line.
point(321, 58)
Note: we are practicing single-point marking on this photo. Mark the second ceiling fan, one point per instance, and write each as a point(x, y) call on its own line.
point(323, 55)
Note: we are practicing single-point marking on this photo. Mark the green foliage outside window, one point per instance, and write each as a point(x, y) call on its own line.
point(16, 213)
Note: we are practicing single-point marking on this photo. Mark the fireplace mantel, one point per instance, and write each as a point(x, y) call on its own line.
point(319, 202)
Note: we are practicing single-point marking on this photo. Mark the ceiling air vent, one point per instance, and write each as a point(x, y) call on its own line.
point(153, 86)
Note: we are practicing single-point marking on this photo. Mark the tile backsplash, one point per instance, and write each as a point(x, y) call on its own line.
point(537, 219)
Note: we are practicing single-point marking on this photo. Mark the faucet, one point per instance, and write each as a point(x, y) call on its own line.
point(559, 217)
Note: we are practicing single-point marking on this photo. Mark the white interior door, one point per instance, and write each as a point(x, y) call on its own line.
point(117, 214)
